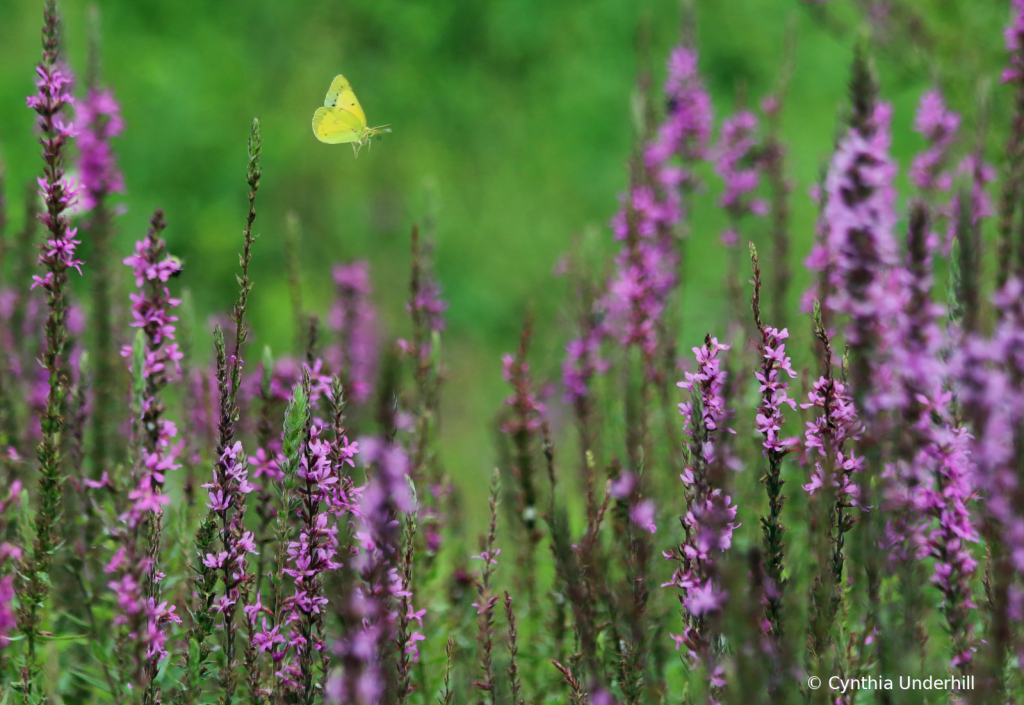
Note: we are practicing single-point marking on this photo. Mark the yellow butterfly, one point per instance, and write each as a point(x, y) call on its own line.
point(342, 118)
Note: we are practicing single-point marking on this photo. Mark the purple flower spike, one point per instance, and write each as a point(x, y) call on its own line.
point(710, 519)
point(774, 391)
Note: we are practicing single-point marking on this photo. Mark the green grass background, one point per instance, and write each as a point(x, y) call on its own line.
point(515, 114)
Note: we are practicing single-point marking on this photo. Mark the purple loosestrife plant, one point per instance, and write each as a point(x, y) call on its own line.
point(865, 291)
point(57, 256)
point(136, 567)
point(99, 116)
point(271, 638)
point(927, 504)
point(775, 367)
point(354, 320)
point(647, 267)
point(833, 477)
point(991, 376)
point(522, 422)
point(514, 679)
point(427, 309)
point(222, 541)
point(709, 522)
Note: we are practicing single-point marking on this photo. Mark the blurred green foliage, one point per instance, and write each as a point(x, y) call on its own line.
point(513, 116)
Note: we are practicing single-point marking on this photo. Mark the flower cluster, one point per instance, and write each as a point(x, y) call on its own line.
point(323, 500)
point(709, 384)
point(774, 390)
point(60, 195)
point(227, 493)
point(354, 319)
point(152, 308)
point(144, 619)
point(100, 117)
point(826, 438)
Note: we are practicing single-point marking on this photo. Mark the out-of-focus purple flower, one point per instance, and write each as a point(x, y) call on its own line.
point(860, 212)
point(735, 165)
point(687, 127)
point(642, 512)
point(99, 116)
point(527, 411)
point(7, 552)
point(354, 318)
point(646, 267)
point(582, 362)
point(430, 305)
point(938, 125)
point(1014, 34)
point(981, 174)
point(375, 560)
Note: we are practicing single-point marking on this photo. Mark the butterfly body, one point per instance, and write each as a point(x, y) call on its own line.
point(342, 120)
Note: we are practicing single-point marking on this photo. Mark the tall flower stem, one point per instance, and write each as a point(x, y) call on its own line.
point(774, 362)
point(57, 257)
point(231, 527)
point(224, 523)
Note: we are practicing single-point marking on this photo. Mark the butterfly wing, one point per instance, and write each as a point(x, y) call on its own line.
point(337, 126)
point(341, 95)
